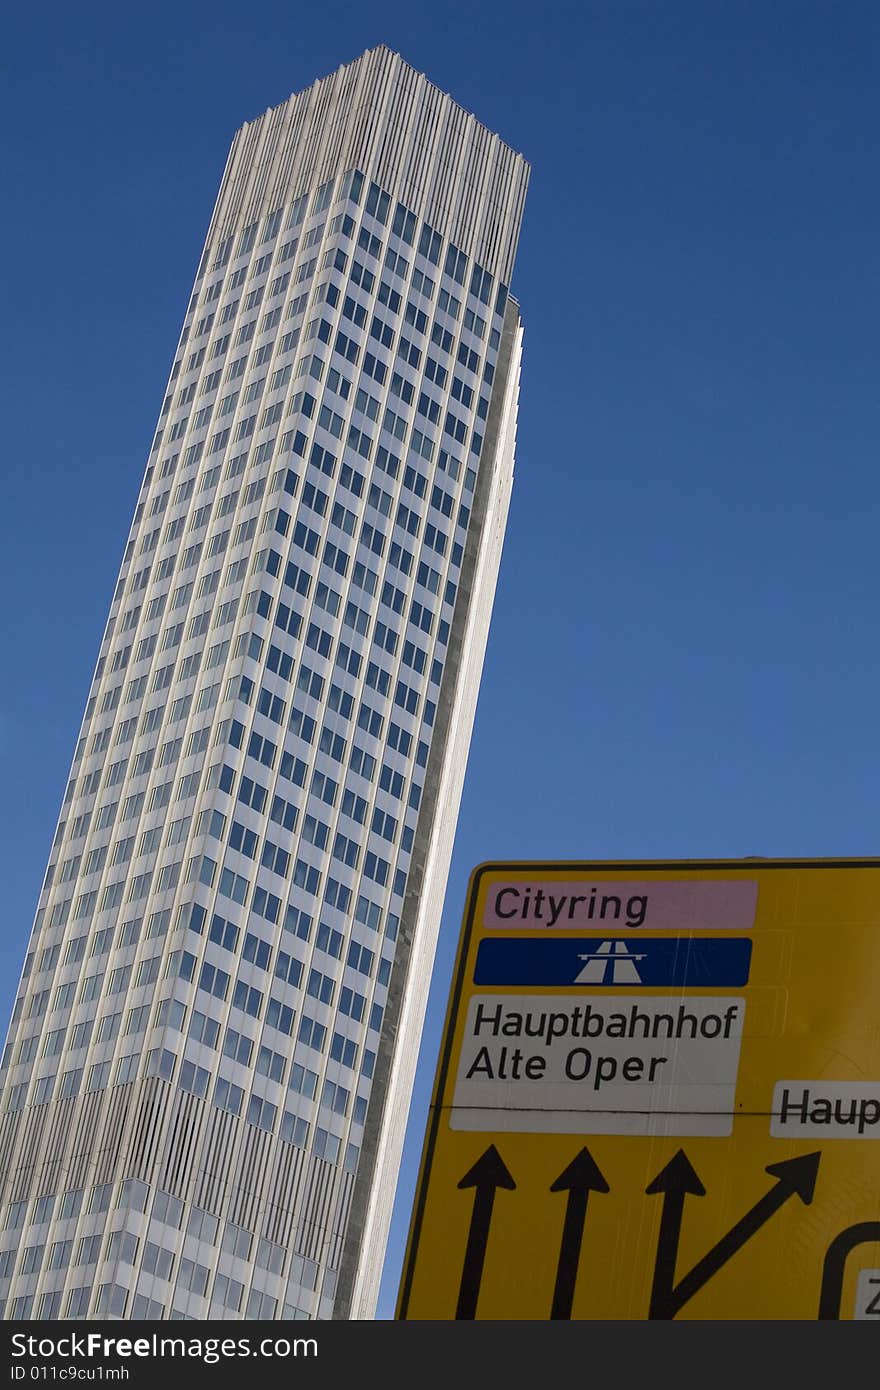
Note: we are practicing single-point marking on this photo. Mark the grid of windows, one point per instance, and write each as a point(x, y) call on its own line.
point(235, 840)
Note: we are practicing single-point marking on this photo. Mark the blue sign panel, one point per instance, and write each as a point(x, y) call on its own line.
point(686, 961)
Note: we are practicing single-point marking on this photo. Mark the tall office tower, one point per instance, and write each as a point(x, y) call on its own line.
point(212, 1050)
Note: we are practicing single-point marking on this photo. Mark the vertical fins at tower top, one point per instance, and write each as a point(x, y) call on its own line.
point(379, 115)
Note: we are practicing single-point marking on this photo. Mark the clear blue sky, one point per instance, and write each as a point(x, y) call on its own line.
point(683, 659)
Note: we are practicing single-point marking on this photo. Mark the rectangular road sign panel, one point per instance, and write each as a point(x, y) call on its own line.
point(614, 1130)
point(706, 963)
point(595, 1065)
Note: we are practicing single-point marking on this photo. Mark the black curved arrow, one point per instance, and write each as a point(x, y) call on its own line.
point(835, 1259)
point(488, 1173)
point(795, 1177)
point(579, 1179)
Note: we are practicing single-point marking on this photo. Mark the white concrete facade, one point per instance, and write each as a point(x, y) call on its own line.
point(208, 1071)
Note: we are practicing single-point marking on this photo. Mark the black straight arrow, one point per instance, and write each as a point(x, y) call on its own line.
point(488, 1173)
point(579, 1179)
point(675, 1181)
point(795, 1177)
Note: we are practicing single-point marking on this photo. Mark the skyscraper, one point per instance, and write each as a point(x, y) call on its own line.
point(209, 1066)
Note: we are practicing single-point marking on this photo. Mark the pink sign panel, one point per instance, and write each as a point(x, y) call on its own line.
point(621, 905)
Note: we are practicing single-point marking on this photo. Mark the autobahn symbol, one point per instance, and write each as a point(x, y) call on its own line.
point(611, 963)
point(656, 961)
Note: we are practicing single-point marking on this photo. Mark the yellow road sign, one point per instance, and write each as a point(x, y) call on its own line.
point(658, 1096)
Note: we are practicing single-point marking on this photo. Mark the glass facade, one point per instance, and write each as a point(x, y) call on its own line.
point(194, 1045)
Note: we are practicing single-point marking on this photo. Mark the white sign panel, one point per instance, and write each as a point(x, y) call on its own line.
point(599, 1064)
point(826, 1109)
